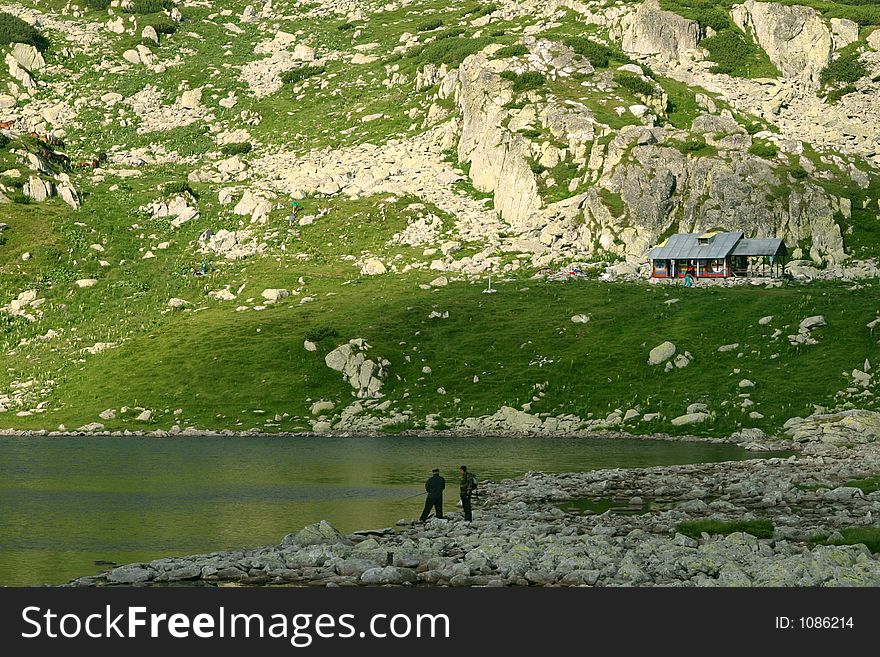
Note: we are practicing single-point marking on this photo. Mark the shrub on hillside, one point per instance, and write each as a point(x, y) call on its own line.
point(735, 54)
point(147, 6)
point(845, 69)
point(691, 145)
point(536, 167)
point(178, 187)
point(451, 52)
point(635, 84)
point(96, 5)
point(762, 149)
point(15, 30)
point(4, 140)
point(318, 334)
point(430, 25)
point(706, 12)
point(163, 25)
point(239, 148)
point(482, 10)
point(299, 74)
point(597, 54)
point(515, 50)
point(524, 81)
point(798, 172)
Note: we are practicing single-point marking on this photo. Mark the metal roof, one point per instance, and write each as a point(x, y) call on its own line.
point(759, 247)
point(686, 246)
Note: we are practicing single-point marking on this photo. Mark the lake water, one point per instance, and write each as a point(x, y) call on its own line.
point(66, 502)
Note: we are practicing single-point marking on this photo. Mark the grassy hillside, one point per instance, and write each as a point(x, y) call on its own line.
point(228, 364)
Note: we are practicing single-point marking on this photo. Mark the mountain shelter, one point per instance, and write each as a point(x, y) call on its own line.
point(717, 255)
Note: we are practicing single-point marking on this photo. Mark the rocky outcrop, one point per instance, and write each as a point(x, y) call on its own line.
point(797, 39)
point(846, 428)
point(365, 375)
point(498, 157)
point(659, 187)
point(233, 245)
point(663, 34)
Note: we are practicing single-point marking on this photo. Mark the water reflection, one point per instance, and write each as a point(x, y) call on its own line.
point(65, 503)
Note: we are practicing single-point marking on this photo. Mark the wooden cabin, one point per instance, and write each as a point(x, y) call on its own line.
point(717, 255)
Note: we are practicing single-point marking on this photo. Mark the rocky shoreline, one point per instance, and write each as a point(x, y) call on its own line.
point(535, 531)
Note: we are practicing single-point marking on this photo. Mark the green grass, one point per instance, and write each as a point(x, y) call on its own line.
point(757, 528)
point(217, 361)
point(867, 536)
point(868, 485)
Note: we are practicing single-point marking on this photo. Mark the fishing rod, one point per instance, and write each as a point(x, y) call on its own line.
point(412, 496)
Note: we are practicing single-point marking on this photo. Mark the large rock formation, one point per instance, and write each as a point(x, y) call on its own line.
point(797, 39)
point(498, 157)
point(664, 34)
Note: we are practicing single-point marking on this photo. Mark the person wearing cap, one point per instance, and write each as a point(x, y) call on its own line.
point(434, 487)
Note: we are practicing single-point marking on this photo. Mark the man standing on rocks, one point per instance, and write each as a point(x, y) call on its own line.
point(434, 486)
point(466, 487)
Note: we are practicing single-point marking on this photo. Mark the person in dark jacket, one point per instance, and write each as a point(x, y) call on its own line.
point(434, 487)
point(466, 487)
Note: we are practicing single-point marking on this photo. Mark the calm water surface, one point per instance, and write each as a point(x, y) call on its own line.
point(66, 502)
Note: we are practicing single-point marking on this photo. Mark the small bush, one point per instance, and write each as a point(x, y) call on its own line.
point(598, 55)
point(320, 333)
point(4, 141)
point(536, 167)
point(705, 12)
point(344, 27)
point(96, 5)
point(430, 25)
point(530, 133)
point(735, 54)
point(798, 172)
point(691, 145)
point(497, 33)
point(524, 81)
point(239, 148)
point(448, 34)
point(147, 6)
point(15, 30)
point(299, 74)
point(451, 52)
point(762, 149)
point(515, 50)
point(482, 10)
point(846, 69)
point(178, 187)
point(163, 25)
point(20, 198)
point(635, 84)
